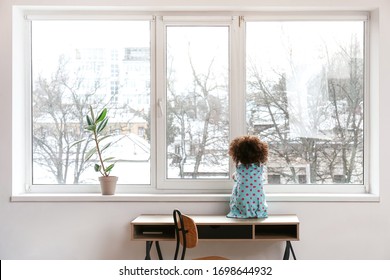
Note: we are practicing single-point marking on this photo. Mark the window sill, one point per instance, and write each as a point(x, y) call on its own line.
point(279, 197)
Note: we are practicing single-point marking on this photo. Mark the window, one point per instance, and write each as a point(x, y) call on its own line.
point(179, 88)
point(305, 97)
point(195, 103)
point(197, 98)
point(78, 67)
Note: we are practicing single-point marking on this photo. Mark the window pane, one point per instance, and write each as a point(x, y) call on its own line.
point(197, 121)
point(304, 96)
point(99, 63)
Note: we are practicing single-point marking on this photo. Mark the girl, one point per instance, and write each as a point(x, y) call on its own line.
point(248, 198)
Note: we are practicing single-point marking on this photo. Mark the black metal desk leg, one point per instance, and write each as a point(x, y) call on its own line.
point(160, 257)
point(148, 247)
point(289, 248)
point(292, 251)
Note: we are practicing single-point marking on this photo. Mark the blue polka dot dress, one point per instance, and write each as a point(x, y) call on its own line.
point(248, 198)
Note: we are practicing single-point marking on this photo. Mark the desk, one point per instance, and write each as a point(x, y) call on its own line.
point(156, 228)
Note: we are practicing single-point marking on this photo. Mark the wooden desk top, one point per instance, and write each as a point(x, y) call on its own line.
point(217, 220)
point(218, 227)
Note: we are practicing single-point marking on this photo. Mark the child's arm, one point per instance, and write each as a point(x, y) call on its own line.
point(234, 177)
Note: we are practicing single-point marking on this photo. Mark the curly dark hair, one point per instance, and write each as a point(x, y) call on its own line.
point(248, 149)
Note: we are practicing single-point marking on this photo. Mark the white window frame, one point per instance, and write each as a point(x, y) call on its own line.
point(159, 185)
point(81, 188)
point(161, 25)
point(330, 188)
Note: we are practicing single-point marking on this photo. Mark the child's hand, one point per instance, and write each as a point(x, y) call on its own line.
point(234, 177)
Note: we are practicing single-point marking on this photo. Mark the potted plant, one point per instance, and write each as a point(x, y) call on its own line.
point(96, 125)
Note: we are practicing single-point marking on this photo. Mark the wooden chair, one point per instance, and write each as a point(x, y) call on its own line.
point(187, 236)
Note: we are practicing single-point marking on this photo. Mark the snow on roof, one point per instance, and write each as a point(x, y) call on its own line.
point(129, 147)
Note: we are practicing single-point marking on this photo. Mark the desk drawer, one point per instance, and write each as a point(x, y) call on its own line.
point(154, 232)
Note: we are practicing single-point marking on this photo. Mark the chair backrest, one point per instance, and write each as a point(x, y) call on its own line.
point(186, 233)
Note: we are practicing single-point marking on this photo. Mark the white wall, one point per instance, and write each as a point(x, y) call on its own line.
point(100, 230)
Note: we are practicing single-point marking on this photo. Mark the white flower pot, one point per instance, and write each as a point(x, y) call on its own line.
point(108, 184)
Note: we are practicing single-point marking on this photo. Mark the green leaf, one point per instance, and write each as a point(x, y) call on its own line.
point(92, 114)
point(102, 138)
point(101, 116)
point(91, 127)
point(76, 142)
point(102, 125)
point(97, 167)
point(110, 167)
point(90, 153)
point(105, 147)
point(108, 159)
point(89, 121)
